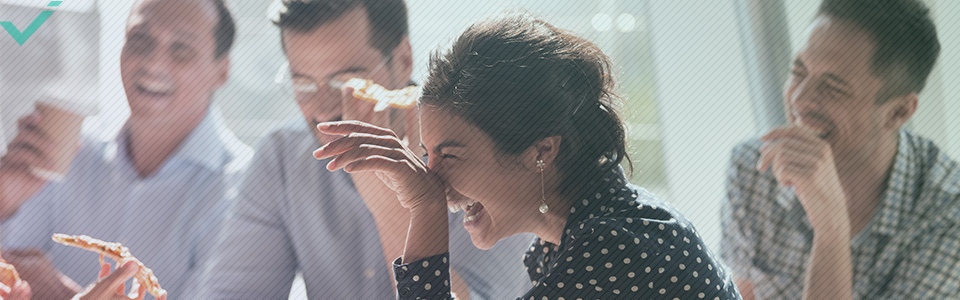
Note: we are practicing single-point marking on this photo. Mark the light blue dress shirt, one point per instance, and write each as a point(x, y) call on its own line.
point(168, 220)
point(295, 215)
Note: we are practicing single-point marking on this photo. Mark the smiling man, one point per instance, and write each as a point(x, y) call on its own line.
point(161, 187)
point(844, 203)
point(341, 231)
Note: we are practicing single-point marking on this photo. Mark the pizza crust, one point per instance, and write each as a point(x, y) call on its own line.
point(368, 90)
point(116, 252)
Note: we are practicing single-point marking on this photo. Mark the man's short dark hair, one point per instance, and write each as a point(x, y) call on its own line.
point(226, 30)
point(905, 38)
point(388, 18)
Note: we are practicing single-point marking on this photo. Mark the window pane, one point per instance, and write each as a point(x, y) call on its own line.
point(253, 104)
point(251, 101)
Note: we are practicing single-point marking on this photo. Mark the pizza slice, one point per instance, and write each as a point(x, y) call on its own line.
point(116, 252)
point(368, 90)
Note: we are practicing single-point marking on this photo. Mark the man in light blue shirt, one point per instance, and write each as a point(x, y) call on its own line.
point(164, 184)
point(339, 230)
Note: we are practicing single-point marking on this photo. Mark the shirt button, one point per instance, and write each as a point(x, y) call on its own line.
point(401, 274)
point(369, 273)
point(405, 292)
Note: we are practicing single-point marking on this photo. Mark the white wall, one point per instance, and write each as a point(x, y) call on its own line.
point(114, 109)
point(704, 102)
point(939, 113)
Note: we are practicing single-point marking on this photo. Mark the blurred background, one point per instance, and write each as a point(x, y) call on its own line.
point(698, 77)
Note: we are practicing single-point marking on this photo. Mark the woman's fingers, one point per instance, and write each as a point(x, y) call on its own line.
point(347, 127)
point(380, 163)
point(354, 140)
point(364, 151)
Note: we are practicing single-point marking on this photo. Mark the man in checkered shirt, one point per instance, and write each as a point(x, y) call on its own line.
point(843, 203)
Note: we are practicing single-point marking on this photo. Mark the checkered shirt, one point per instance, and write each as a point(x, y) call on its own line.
point(910, 248)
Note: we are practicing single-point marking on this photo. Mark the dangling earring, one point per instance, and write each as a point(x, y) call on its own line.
point(543, 198)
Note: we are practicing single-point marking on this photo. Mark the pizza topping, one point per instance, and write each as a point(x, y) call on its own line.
point(368, 90)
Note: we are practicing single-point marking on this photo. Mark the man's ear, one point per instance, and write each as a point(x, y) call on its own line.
point(402, 62)
point(547, 150)
point(902, 110)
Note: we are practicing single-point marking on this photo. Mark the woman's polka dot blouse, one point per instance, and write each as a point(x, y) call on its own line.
point(620, 242)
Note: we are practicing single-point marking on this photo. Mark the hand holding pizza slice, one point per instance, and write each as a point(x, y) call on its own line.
point(118, 253)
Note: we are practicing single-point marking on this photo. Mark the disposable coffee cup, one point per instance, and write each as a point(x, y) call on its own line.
point(61, 123)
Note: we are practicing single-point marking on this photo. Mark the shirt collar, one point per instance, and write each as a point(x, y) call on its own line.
point(209, 145)
point(595, 201)
point(604, 193)
point(901, 186)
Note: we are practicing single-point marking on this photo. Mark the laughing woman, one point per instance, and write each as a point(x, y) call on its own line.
point(519, 118)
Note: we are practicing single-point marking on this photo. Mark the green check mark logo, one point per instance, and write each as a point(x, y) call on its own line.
point(22, 36)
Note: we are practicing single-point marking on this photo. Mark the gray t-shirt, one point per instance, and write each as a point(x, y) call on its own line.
point(295, 215)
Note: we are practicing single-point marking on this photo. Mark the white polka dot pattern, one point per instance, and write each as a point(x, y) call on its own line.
point(620, 242)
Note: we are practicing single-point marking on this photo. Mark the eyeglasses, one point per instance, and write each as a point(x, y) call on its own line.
point(307, 85)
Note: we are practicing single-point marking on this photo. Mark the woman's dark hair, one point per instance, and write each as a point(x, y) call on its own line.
point(520, 79)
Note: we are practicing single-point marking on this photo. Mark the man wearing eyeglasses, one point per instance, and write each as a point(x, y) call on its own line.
point(339, 230)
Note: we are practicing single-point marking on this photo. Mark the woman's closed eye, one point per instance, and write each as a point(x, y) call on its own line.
point(442, 156)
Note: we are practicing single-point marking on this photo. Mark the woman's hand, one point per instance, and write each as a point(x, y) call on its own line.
point(111, 286)
point(363, 147)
